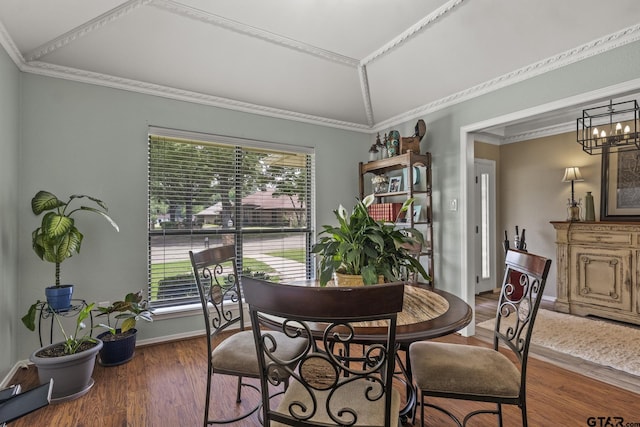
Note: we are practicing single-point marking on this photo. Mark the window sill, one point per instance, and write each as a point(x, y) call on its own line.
point(186, 310)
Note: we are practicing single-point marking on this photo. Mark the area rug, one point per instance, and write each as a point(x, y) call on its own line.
point(597, 341)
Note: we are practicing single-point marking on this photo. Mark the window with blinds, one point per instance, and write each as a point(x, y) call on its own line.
point(207, 191)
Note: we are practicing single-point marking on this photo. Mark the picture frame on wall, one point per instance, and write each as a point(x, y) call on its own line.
point(620, 186)
point(394, 184)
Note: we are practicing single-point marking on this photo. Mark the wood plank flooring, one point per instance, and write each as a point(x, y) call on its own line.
point(164, 386)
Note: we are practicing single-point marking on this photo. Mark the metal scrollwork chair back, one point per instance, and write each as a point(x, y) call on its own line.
point(329, 385)
point(485, 374)
point(216, 275)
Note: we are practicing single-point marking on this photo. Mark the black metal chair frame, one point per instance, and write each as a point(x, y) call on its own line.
point(220, 296)
point(532, 271)
point(301, 310)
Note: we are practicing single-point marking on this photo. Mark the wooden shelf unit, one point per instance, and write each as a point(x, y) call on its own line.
point(422, 194)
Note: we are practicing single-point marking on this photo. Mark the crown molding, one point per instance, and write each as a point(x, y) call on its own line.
point(83, 76)
point(540, 133)
point(425, 22)
point(366, 95)
point(87, 27)
point(10, 47)
point(209, 18)
point(487, 138)
point(593, 48)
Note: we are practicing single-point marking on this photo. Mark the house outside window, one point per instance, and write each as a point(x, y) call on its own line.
point(207, 190)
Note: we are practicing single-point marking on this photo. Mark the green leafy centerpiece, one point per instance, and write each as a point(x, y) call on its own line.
point(362, 246)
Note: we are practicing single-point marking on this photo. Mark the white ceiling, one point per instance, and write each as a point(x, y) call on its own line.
point(355, 64)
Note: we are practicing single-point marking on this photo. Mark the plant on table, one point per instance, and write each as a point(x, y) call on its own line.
point(360, 245)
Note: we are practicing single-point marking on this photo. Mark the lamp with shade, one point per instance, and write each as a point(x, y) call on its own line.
point(572, 174)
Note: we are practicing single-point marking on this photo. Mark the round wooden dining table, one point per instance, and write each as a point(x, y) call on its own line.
point(427, 313)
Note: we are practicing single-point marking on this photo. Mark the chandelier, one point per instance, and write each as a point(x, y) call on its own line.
point(612, 127)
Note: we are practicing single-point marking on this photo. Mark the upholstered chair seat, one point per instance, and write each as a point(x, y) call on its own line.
point(237, 354)
point(469, 370)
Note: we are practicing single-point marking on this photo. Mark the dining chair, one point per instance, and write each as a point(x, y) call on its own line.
point(216, 276)
point(467, 372)
point(328, 385)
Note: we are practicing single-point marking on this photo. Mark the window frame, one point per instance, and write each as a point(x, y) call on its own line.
point(239, 146)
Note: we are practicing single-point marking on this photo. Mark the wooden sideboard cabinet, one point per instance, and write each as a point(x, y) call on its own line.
point(598, 269)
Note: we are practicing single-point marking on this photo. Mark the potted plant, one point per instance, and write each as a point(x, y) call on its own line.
point(120, 342)
point(57, 238)
point(362, 246)
point(70, 363)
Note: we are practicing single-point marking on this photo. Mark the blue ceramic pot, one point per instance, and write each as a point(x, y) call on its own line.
point(59, 297)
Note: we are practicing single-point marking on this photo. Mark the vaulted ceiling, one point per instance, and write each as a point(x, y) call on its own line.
point(353, 64)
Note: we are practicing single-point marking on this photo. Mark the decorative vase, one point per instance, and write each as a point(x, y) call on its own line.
point(373, 153)
point(589, 209)
point(573, 212)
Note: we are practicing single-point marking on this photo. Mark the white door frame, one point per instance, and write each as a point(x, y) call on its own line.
point(466, 162)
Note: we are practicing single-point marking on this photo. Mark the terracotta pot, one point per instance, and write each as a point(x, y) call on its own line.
point(349, 280)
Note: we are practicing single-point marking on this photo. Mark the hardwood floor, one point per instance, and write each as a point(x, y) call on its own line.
point(164, 386)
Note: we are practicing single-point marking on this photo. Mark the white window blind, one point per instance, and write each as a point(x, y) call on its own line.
point(207, 191)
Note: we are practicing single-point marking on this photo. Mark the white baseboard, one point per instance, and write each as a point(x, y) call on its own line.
point(168, 338)
point(6, 381)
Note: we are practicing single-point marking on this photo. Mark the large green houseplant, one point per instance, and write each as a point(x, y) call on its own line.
point(57, 237)
point(362, 246)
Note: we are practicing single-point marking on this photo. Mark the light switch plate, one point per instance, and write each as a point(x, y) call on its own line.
point(453, 204)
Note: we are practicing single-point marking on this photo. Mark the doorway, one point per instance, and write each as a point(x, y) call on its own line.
point(485, 225)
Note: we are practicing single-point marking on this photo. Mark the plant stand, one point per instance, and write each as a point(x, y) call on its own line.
point(46, 312)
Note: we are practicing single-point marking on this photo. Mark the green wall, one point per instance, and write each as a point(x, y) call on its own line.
point(9, 129)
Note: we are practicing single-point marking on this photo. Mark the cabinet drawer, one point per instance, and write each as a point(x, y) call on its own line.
point(625, 239)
